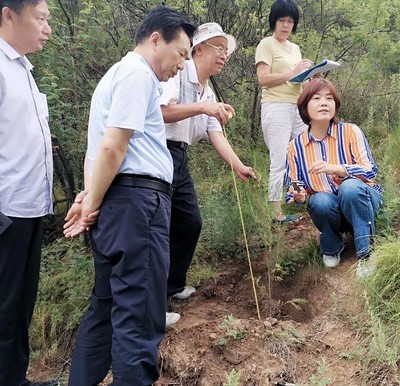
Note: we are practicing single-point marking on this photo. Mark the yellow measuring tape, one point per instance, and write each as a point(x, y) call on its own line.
point(243, 229)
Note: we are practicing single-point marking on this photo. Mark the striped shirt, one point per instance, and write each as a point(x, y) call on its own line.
point(345, 144)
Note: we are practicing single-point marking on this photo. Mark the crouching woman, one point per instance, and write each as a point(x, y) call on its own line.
point(331, 165)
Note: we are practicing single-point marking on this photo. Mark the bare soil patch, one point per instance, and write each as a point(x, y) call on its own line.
point(296, 343)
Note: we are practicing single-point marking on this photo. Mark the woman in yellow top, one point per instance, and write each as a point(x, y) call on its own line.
point(277, 61)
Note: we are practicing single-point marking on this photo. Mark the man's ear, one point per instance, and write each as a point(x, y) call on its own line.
point(155, 39)
point(197, 50)
point(7, 15)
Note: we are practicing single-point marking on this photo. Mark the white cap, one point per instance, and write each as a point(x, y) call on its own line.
point(211, 30)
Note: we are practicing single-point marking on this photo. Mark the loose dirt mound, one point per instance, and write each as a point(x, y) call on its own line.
point(304, 338)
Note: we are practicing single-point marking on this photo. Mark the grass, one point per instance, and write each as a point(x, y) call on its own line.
point(320, 378)
point(233, 378)
point(382, 306)
point(65, 283)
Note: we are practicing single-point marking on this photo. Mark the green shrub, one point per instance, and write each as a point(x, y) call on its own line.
point(66, 279)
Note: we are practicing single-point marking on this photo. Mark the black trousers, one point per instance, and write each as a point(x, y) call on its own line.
point(20, 247)
point(185, 222)
point(126, 319)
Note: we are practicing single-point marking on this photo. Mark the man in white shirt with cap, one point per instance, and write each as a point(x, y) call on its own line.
point(191, 112)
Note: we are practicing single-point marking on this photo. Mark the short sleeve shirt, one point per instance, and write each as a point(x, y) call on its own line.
point(26, 162)
point(128, 97)
point(185, 88)
point(272, 53)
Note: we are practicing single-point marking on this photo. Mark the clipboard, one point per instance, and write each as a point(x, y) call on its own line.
point(324, 66)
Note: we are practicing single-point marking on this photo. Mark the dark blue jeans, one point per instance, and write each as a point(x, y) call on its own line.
point(126, 319)
point(185, 222)
point(356, 205)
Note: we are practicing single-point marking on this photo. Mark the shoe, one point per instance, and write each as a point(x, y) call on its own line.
point(171, 318)
point(332, 261)
point(47, 383)
point(186, 293)
point(366, 266)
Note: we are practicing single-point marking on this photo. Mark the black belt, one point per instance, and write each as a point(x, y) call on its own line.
point(141, 181)
point(178, 144)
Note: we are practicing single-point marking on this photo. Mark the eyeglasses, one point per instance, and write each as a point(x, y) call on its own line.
point(221, 51)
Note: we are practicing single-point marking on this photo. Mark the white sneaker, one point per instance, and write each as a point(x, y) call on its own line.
point(186, 293)
point(171, 318)
point(365, 267)
point(332, 261)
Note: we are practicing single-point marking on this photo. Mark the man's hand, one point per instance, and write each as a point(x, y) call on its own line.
point(79, 219)
point(246, 172)
point(221, 111)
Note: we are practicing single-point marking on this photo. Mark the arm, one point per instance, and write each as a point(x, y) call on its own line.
point(320, 166)
point(267, 79)
point(174, 112)
point(109, 157)
point(225, 151)
point(293, 173)
point(112, 151)
point(364, 165)
point(74, 223)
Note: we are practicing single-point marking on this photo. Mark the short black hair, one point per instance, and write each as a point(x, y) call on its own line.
point(282, 8)
point(167, 21)
point(17, 5)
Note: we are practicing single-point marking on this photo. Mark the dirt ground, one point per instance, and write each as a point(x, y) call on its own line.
point(304, 335)
point(300, 339)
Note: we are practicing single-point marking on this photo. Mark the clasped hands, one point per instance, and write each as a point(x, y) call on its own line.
point(80, 216)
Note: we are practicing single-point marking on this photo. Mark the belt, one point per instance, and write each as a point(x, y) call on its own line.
point(178, 144)
point(142, 181)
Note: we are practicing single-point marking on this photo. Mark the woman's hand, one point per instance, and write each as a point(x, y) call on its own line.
point(320, 166)
point(299, 197)
point(302, 66)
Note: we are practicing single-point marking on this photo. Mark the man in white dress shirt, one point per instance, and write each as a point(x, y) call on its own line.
point(25, 180)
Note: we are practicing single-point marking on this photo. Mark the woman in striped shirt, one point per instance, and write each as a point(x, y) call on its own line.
point(331, 163)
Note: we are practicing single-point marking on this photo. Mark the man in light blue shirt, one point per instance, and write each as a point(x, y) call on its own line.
point(25, 180)
point(129, 173)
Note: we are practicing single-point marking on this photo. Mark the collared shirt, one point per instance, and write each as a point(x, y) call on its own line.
point(345, 144)
point(185, 88)
point(26, 161)
point(128, 97)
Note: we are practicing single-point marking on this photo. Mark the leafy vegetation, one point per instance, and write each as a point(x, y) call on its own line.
point(233, 378)
point(89, 36)
point(232, 330)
